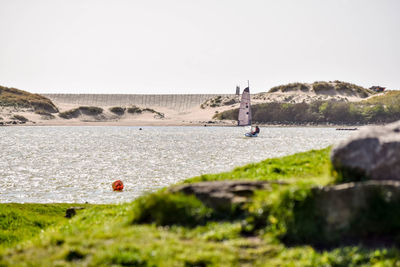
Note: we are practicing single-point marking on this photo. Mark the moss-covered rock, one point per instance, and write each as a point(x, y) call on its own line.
point(352, 213)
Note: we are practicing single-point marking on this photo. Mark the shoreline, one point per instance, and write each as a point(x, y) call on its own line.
point(182, 124)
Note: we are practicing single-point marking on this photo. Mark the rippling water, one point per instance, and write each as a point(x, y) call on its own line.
point(78, 164)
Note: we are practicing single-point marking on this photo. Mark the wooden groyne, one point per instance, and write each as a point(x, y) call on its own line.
point(172, 101)
point(346, 129)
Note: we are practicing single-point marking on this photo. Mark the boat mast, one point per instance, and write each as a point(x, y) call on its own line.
point(251, 121)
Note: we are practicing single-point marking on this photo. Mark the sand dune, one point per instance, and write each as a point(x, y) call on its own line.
point(176, 109)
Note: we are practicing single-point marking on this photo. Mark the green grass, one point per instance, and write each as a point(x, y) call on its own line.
point(388, 98)
point(104, 236)
point(312, 166)
point(19, 222)
point(166, 229)
point(19, 98)
point(158, 207)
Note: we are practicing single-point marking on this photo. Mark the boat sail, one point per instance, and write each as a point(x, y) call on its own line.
point(244, 118)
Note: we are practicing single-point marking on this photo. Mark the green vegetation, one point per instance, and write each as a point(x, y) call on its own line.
point(389, 98)
point(19, 118)
point(137, 110)
point(134, 109)
point(22, 99)
point(218, 101)
point(171, 229)
point(321, 112)
point(42, 112)
point(325, 88)
point(312, 166)
point(69, 114)
point(290, 87)
point(92, 111)
point(76, 112)
point(378, 109)
point(45, 115)
point(160, 115)
point(118, 110)
point(158, 208)
point(21, 222)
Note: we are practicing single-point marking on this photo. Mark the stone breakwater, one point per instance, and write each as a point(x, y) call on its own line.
point(179, 102)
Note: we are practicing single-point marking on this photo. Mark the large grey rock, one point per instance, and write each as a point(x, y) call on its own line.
point(221, 195)
point(365, 212)
point(341, 205)
point(371, 154)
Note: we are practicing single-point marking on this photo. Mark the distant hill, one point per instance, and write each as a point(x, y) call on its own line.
point(23, 99)
point(325, 88)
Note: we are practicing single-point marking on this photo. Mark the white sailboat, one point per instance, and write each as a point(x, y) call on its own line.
point(244, 118)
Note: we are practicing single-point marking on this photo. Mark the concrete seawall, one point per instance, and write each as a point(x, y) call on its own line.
point(175, 102)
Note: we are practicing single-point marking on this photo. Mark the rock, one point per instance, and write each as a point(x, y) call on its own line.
point(71, 212)
point(350, 213)
point(221, 195)
point(371, 154)
point(339, 205)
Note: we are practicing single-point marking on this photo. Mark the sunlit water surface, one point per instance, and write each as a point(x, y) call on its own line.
point(78, 164)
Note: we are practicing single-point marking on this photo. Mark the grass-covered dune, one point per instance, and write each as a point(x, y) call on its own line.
point(76, 112)
point(322, 87)
point(377, 109)
point(171, 229)
point(19, 98)
point(389, 98)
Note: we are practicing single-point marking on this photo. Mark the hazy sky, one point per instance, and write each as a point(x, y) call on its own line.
point(202, 46)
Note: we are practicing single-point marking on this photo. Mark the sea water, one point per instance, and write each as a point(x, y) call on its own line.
point(78, 164)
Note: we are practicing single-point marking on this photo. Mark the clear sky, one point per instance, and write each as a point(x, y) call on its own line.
point(202, 46)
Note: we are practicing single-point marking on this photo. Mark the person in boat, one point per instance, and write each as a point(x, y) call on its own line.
point(256, 131)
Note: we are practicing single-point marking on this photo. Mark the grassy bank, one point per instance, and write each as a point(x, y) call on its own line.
point(312, 166)
point(21, 222)
point(158, 229)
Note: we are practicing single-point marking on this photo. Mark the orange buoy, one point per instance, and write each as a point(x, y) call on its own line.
point(118, 185)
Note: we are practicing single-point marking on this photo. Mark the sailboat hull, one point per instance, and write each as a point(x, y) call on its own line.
point(250, 135)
